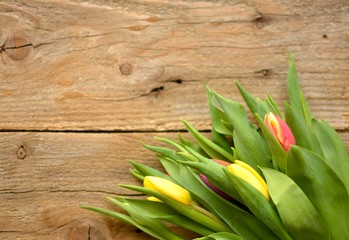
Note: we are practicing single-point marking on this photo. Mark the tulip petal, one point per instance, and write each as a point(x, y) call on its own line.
point(168, 188)
point(249, 175)
point(278, 153)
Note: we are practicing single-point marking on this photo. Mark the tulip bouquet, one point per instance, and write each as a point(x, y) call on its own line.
point(281, 177)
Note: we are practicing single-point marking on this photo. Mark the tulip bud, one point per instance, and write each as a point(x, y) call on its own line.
point(250, 175)
point(167, 188)
point(280, 130)
point(210, 185)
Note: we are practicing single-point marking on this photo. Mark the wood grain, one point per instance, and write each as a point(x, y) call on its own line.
point(139, 65)
point(82, 83)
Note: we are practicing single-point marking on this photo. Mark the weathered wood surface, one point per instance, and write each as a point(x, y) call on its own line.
point(82, 83)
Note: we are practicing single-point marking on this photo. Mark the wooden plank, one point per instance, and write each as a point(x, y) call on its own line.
point(44, 177)
point(138, 65)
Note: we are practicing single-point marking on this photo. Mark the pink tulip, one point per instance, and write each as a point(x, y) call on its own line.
point(280, 130)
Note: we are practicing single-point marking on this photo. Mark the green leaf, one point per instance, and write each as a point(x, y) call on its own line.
point(249, 144)
point(164, 152)
point(323, 188)
point(186, 210)
point(188, 143)
point(161, 211)
point(222, 141)
point(336, 155)
point(255, 105)
point(153, 223)
point(279, 156)
point(149, 171)
point(217, 115)
point(221, 236)
point(177, 145)
point(273, 106)
point(297, 213)
point(258, 205)
point(212, 149)
point(297, 100)
point(136, 174)
point(125, 218)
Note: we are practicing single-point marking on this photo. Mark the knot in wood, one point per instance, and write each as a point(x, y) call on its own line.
point(18, 47)
point(260, 23)
point(21, 152)
point(89, 231)
point(126, 69)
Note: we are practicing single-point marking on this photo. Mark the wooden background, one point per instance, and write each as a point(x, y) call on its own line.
point(82, 83)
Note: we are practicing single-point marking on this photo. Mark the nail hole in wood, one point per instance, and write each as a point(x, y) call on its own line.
point(324, 36)
point(126, 69)
point(260, 22)
point(266, 72)
point(179, 81)
point(21, 152)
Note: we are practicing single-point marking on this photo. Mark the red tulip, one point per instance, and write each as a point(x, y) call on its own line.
point(280, 130)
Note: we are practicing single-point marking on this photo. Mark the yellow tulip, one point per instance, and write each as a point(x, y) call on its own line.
point(167, 188)
point(247, 173)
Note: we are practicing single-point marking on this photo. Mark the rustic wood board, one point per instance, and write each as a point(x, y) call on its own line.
point(139, 65)
point(83, 83)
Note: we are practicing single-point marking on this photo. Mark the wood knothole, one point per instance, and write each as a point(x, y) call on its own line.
point(17, 47)
point(89, 231)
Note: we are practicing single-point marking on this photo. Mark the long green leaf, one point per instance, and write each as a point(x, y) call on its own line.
point(221, 236)
point(297, 213)
point(217, 115)
point(297, 100)
point(333, 147)
point(212, 149)
point(161, 211)
point(125, 218)
point(323, 187)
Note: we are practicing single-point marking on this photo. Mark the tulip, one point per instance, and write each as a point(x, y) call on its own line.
point(280, 130)
point(247, 173)
point(167, 188)
point(210, 185)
